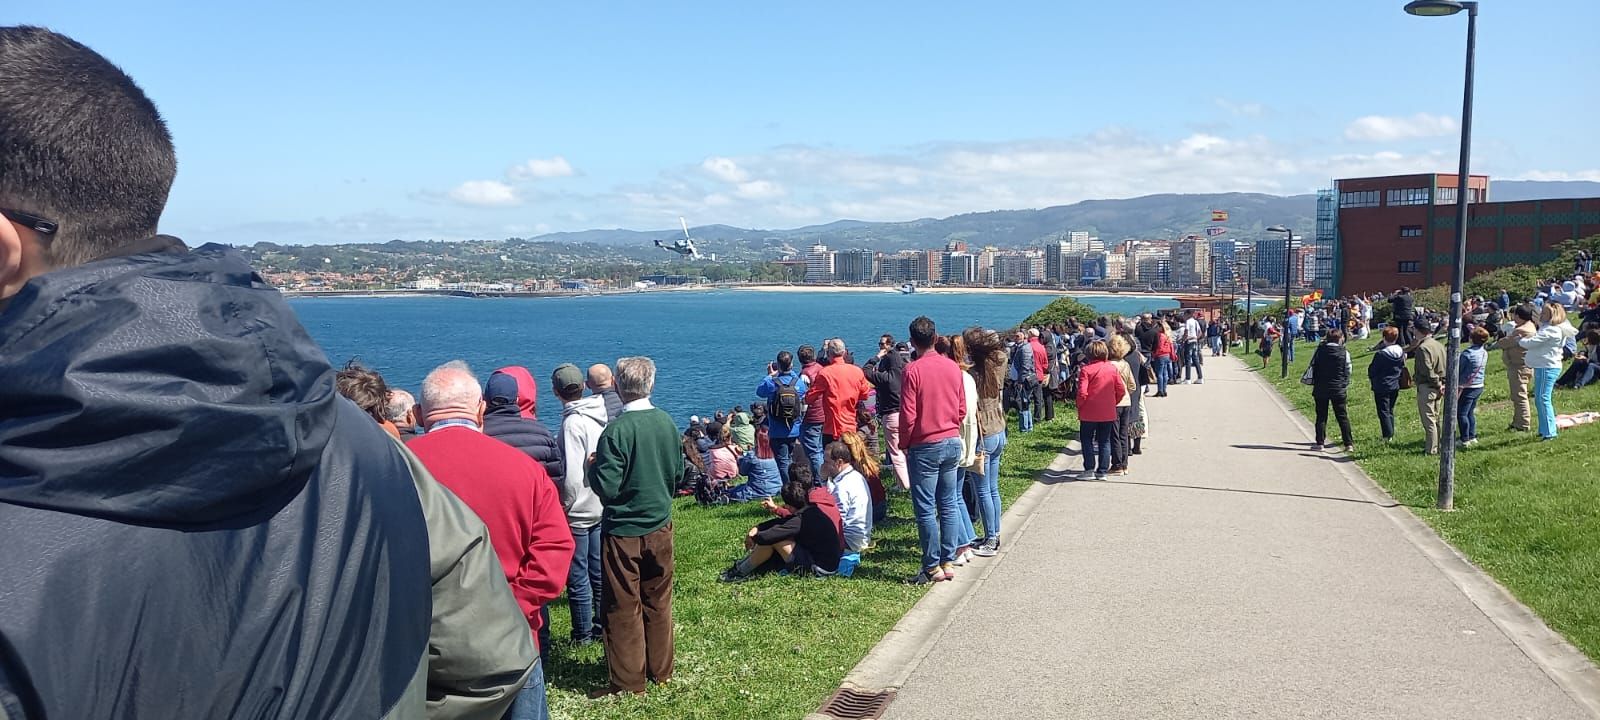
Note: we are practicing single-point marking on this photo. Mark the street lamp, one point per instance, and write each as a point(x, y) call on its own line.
point(1452, 384)
point(1249, 296)
point(1288, 260)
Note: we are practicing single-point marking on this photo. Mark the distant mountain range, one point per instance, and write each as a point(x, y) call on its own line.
point(1166, 216)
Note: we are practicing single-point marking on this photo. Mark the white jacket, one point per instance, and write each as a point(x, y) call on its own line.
point(969, 424)
point(849, 489)
point(1544, 348)
point(582, 421)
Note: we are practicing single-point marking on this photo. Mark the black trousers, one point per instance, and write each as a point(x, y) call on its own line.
point(1384, 399)
point(1340, 412)
point(1045, 398)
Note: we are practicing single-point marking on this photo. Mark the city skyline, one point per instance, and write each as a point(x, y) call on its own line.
point(312, 124)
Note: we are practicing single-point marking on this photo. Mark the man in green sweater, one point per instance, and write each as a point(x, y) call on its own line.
point(1430, 379)
point(632, 472)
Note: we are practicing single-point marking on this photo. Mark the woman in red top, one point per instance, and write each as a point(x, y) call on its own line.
point(1165, 356)
point(1100, 388)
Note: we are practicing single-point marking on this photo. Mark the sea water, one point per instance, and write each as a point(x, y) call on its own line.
point(711, 348)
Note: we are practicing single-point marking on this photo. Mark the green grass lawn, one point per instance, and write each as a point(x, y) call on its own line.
point(773, 647)
point(1527, 512)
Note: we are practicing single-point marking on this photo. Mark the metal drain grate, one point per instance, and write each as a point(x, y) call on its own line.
point(852, 704)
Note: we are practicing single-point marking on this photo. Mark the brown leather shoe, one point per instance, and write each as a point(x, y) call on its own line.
point(610, 690)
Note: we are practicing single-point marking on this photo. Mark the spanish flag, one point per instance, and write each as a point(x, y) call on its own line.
point(1219, 216)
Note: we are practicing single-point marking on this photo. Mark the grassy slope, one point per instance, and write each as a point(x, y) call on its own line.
point(774, 647)
point(1526, 512)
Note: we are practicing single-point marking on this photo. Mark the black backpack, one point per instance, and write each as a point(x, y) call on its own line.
point(787, 404)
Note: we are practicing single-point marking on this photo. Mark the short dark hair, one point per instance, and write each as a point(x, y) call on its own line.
point(838, 452)
point(364, 387)
point(1524, 312)
point(1335, 336)
point(923, 333)
point(807, 354)
point(80, 144)
point(785, 360)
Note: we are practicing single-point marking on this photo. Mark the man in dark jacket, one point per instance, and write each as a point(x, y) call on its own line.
point(1330, 383)
point(884, 371)
point(185, 496)
point(600, 383)
point(512, 418)
point(1403, 309)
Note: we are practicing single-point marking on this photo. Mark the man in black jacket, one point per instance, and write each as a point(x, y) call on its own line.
point(511, 417)
point(1330, 383)
point(884, 371)
point(1403, 307)
point(194, 524)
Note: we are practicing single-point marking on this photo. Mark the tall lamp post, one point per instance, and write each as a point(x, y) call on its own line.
point(1248, 268)
point(1447, 445)
point(1288, 264)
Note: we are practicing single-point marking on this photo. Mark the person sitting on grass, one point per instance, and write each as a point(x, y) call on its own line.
point(854, 501)
point(866, 462)
point(1584, 364)
point(762, 479)
point(807, 536)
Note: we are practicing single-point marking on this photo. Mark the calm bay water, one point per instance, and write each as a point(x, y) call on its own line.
point(711, 348)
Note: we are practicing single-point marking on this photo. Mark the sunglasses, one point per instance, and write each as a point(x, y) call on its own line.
point(36, 223)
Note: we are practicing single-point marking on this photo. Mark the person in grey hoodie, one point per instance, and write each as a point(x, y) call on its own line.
point(582, 421)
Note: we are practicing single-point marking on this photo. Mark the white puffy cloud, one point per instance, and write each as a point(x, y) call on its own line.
point(541, 168)
point(1559, 175)
point(724, 169)
point(485, 193)
point(1381, 128)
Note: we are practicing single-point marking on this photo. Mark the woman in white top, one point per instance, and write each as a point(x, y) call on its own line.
point(1544, 357)
point(955, 348)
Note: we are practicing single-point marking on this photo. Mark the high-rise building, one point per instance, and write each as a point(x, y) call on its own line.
point(1148, 263)
point(1269, 259)
point(1191, 262)
point(1116, 267)
point(933, 265)
point(1072, 269)
point(986, 259)
point(853, 266)
point(1092, 267)
point(960, 268)
point(819, 264)
point(1053, 253)
point(904, 267)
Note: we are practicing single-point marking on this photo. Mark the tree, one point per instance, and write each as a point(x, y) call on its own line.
point(1059, 311)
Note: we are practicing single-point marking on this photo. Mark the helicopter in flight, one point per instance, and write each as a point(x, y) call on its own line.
point(684, 247)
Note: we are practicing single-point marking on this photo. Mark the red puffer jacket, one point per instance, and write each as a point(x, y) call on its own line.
point(1100, 388)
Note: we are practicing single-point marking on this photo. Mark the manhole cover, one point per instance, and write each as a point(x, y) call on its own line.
point(852, 704)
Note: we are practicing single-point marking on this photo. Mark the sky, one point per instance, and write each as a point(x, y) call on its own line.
point(312, 122)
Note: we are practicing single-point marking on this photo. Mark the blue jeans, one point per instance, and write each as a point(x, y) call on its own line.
point(531, 703)
point(1466, 413)
point(1544, 385)
point(935, 497)
point(1288, 347)
point(584, 580)
point(783, 453)
point(1095, 437)
point(1163, 374)
point(811, 442)
point(988, 488)
point(1193, 360)
point(1215, 341)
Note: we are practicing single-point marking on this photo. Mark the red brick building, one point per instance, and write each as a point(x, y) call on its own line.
point(1400, 230)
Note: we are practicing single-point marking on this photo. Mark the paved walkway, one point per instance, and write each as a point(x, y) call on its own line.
point(1233, 574)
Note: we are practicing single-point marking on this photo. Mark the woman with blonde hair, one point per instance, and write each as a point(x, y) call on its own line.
point(1544, 357)
point(955, 348)
point(866, 463)
point(1127, 414)
point(987, 354)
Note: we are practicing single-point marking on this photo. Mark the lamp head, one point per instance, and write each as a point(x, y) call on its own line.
point(1434, 8)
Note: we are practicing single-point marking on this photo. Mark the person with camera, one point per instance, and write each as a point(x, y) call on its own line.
point(885, 371)
point(784, 390)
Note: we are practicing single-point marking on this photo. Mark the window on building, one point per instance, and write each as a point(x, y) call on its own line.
point(1445, 196)
point(1409, 196)
point(1359, 198)
point(1410, 231)
point(1410, 266)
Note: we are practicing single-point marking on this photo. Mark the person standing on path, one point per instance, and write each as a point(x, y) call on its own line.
point(1471, 369)
point(1023, 378)
point(1293, 323)
point(1127, 412)
point(1429, 378)
point(1042, 399)
point(988, 371)
point(514, 497)
point(1100, 388)
point(635, 465)
point(1330, 381)
point(1519, 377)
point(1544, 356)
point(932, 406)
point(1388, 364)
point(1165, 356)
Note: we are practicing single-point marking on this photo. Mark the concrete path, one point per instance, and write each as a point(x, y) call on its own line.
point(1234, 573)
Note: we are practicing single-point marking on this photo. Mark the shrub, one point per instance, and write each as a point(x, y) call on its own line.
point(1059, 311)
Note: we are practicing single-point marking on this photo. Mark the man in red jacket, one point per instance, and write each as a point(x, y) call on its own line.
point(509, 491)
point(838, 388)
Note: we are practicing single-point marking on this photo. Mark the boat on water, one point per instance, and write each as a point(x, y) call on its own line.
point(908, 288)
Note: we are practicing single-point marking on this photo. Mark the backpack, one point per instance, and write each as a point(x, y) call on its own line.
point(787, 405)
point(709, 492)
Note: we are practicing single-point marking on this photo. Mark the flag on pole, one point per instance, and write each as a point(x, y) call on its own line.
point(1219, 216)
point(1215, 231)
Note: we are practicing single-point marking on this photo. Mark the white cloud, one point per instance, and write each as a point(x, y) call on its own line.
point(1380, 128)
point(1559, 175)
point(1246, 109)
point(541, 168)
point(485, 193)
point(724, 169)
point(760, 190)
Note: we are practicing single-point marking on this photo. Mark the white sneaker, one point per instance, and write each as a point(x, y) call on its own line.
point(1198, 382)
point(1086, 475)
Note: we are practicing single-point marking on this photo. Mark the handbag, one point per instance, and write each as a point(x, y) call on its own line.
point(1405, 378)
point(1306, 378)
point(1148, 375)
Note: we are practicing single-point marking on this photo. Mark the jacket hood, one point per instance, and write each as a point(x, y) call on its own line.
point(1393, 351)
point(167, 388)
point(589, 406)
point(525, 397)
point(1569, 286)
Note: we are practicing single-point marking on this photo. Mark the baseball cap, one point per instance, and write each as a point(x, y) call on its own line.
point(567, 378)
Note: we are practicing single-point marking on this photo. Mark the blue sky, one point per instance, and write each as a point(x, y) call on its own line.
point(303, 122)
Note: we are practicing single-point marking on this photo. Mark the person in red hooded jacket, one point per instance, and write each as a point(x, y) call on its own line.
point(1100, 388)
point(1166, 357)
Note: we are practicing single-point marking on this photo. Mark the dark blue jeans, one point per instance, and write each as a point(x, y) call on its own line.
point(1467, 413)
point(1095, 437)
point(531, 703)
point(811, 441)
point(584, 580)
point(783, 453)
point(1163, 374)
point(935, 497)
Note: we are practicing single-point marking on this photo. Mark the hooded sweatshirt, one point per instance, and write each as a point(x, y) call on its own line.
point(1544, 348)
point(510, 394)
point(582, 421)
point(1384, 371)
point(179, 480)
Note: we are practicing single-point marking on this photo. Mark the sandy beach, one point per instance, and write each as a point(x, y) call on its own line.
point(936, 290)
